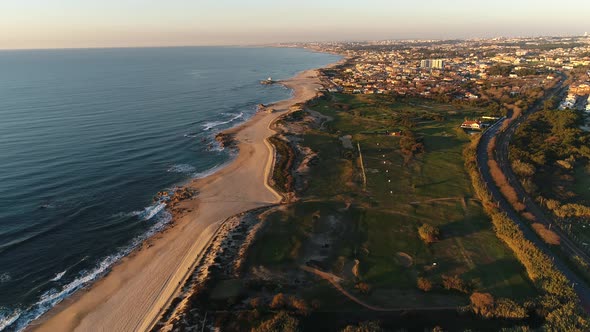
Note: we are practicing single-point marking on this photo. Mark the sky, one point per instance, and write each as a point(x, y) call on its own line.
point(129, 23)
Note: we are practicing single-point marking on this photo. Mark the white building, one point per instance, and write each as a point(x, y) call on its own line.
point(568, 102)
point(432, 63)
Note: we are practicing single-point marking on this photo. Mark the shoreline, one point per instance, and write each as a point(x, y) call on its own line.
point(140, 286)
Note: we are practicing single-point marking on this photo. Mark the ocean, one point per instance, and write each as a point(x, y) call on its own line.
point(87, 139)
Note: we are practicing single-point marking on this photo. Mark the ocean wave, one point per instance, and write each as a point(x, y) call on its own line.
point(210, 171)
point(5, 277)
point(59, 275)
point(8, 318)
point(47, 206)
point(150, 211)
point(199, 72)
point(49, 299)
point(181, 168)
point(215, 147)
point(191, 135)
point(211, 125)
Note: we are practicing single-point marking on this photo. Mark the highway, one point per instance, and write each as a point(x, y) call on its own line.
point(501, 155)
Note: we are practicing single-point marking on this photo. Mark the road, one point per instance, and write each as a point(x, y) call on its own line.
point(501, 155)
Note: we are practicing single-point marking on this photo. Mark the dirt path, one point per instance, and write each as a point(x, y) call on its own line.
point(335, 281)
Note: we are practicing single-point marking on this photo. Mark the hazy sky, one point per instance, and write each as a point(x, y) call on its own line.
point(99, 23)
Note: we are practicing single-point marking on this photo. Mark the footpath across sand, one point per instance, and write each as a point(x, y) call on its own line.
point(133, 294)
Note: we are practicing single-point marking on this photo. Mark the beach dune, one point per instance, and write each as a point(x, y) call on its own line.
point(132, 296)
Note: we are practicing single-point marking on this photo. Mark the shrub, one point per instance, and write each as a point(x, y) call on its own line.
point(281, 322)
point(364, 327)
point(528, 216)
point(506, 308)
point(285, 157)
point(424, 284)
point(428, 233)
point(278, 301)
point(485, 305)
point(256, 302)
point(363, 287)
point(572, 210)
point(455, 282)
point(550, 237)
point(504, 186)
point(299, 305)
point(482, 304)
point(552, 204)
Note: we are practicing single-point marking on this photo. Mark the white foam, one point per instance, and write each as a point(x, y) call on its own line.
point(59, 275)
point(211, 125)
point(150, 211)
point(5, 277)
point(181, 168)
point(6, 319)
point(217, 147)
point(210, 171)
point(199, 72)
point(54, 296)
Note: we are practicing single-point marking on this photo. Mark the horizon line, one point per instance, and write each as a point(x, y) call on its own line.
point(275, 44)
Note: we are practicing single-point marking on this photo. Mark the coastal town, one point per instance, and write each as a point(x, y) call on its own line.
point(459, 70)
point(489, 73)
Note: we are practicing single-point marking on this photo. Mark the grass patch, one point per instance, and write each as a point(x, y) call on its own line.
point(337, 222)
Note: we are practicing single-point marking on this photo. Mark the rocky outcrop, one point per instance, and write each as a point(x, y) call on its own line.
point(173, 198)
point(226, 140)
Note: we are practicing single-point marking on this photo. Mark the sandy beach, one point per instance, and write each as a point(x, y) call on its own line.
point(132, 296)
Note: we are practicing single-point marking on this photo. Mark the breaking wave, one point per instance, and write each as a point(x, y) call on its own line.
point(20, 319)
point(150, 211)
point(59, 275)
point(7, 319)
point(181, 168)
point(211, 125)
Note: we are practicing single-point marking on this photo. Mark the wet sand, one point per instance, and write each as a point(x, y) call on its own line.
point(132, 296)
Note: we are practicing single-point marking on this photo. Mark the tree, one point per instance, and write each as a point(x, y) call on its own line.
point(428, 233)
point(482, 304)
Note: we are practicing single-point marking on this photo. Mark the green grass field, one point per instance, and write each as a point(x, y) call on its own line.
point(383, 220)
